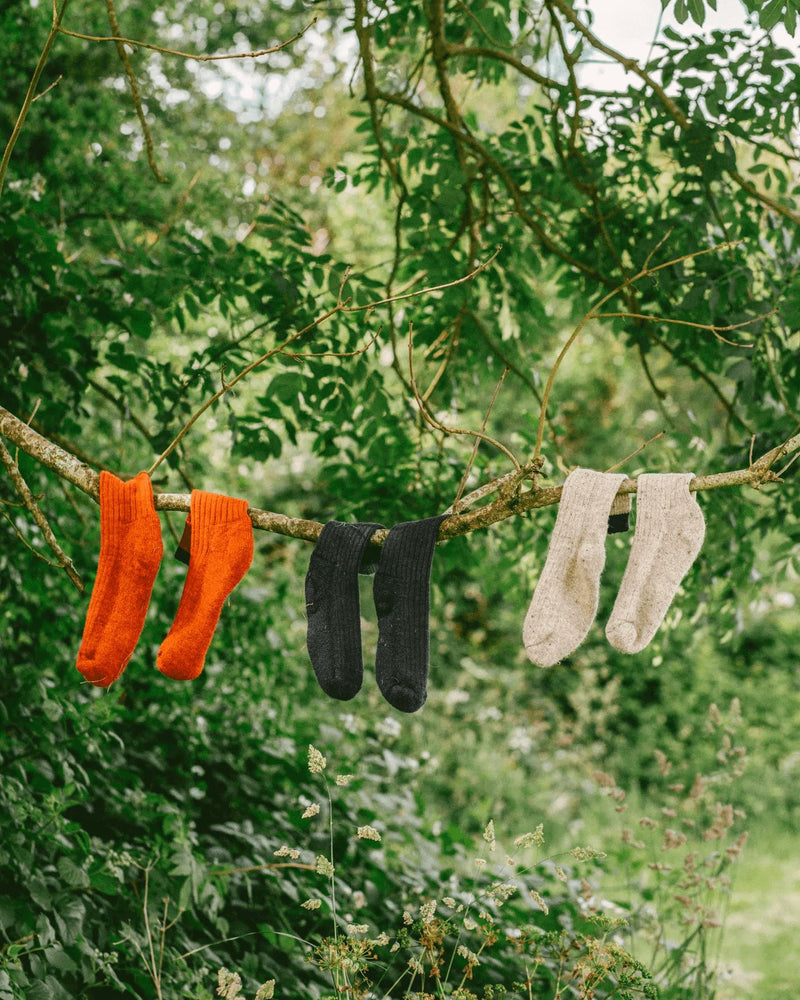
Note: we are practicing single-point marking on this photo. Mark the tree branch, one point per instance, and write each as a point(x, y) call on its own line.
point(28, 499)
point(669, 106)
point(30, 95)
point(86, 479)
point(503, 173)
point(198, 56)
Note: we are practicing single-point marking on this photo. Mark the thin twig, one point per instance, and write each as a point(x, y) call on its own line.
point(592, 314)
point(30, 94)
point(334, 354)
point(711, 327)
point(166, 228)
point(638, 451)
point(791, 462)
point(137, 101)
point(429, 418)
point(198, 56)
point(163, 936)
point(152, 968)
point(468, 468)
point(48, 88)
point(28, 499)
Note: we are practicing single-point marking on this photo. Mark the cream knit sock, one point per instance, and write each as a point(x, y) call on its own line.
point(669, 534)
point(565, 600)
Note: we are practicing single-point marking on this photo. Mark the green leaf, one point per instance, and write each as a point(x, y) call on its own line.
point(39, 991)
point(74, 876)
point(141, 323)
point(697, 9)
point(770, 14)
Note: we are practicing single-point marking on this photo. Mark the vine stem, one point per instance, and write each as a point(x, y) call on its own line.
point(30, 95)
point(595, 312)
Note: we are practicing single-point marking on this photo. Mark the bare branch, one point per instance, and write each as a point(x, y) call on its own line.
point(429, 418)
point(199, 56)
point(463, 483)
point(137, 102)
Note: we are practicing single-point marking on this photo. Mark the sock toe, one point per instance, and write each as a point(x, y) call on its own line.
point(541, 652)
point(403, 697)
point(624, 636)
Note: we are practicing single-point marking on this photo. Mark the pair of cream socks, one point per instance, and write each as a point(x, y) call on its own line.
point(669, 534)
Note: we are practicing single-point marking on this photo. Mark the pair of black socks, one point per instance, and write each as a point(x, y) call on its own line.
point(402, 599)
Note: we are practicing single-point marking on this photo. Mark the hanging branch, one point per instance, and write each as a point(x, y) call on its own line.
point(122, 52)
point(71, 469)
point(29, 501)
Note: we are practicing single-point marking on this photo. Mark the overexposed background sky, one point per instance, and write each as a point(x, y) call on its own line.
point(630, 27)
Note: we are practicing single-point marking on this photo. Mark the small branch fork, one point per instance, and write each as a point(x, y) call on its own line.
point(510, 503)
point(29, 501)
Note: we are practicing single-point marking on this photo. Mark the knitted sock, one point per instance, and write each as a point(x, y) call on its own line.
point(333, 607)
point(565, 600)
point(221, 553)
point(669, 534)
point(130, 554)
point(402, 600)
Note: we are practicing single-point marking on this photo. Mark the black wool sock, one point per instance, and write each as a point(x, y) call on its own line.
point(334, 621)
point(402, 600)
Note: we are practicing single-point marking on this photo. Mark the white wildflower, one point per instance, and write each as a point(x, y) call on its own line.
point(367, 833)
point(427, 911)
point(537, 898)
point(323, 867)
point(229, 984)
point(316, 762)
point(528, 839)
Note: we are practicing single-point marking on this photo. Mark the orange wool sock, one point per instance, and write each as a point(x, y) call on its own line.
point(130, 554)
point(220, 554)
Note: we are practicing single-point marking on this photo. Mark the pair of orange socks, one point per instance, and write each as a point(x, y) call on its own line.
point(130, 554)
